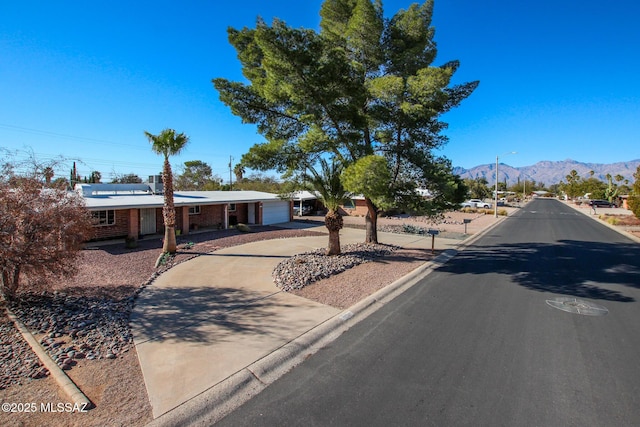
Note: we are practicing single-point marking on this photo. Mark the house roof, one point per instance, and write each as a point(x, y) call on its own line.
point(308, 195)
point(303, 195)
point(120, 200)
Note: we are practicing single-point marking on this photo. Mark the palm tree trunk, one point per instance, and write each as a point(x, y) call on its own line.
point(334, 223)
point(168, 211)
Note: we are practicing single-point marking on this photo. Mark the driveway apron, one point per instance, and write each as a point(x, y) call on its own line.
point(210, 317)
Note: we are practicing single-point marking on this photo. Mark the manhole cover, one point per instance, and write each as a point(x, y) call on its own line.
point(577, 306)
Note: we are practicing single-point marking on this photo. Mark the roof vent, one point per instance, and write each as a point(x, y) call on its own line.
point(155, 182)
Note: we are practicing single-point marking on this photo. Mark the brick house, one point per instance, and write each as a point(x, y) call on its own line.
point(133, 210)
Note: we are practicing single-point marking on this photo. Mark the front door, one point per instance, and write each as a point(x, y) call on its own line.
point(251, 214)
point(148, 221)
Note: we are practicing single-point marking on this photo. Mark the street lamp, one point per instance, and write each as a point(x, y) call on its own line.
point(495, 205)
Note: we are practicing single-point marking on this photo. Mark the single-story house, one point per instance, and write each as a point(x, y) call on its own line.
point(133, 210)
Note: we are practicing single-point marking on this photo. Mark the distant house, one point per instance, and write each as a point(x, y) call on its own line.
point(354, 206)
point(133, 210)
point(357, 205)
point(305, 203)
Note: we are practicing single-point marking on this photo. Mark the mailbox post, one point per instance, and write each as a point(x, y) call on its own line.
point(466, 221)
point(433, 233)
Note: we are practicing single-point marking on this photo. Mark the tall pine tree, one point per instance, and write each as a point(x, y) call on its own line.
point(363, 85)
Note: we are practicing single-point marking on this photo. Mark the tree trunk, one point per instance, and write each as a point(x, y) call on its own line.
point(169, 245)
point(169, 211)
point(334, 222)
point(371, 223)
point(10, 283)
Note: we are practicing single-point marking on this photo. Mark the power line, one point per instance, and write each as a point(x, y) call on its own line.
point(66, 136)
point(145, 147)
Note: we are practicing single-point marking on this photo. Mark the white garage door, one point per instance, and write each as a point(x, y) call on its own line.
point(275, 212)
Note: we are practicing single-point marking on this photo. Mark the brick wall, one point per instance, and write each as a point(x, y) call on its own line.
point(209, 216)
point(241, 214)
point(360, 208)
point(119, 229)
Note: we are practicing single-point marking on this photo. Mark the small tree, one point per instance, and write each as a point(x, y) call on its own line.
point(168, 143)
point(41, 233)
point(129, 178)
point(478, 187)
point(260, 182)
point(332, 193)
point(197, 176)
point(370, 175)
point(634, 197)
point(29, 165)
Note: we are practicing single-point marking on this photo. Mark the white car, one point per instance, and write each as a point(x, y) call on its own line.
point(475, 203)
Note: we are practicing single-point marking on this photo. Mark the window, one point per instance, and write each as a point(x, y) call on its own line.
point(194, 210)
point(232, 207)
point(349, 204)
point(100, 218)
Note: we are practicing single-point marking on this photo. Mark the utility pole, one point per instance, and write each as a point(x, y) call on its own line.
point(230, 177)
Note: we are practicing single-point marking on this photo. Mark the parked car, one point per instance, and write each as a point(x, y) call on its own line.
point(306, 209)
point(475, 203)
point(602, 203)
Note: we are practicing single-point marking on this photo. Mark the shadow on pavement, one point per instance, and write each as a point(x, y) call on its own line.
point(200, 315)
point(567, 267)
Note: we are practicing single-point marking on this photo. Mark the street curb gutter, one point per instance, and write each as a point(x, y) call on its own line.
point(215, 403)
point(63, 380)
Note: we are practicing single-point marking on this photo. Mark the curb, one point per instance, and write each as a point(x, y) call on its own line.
point(221, 399)
point(613, 227)
point(63, 380)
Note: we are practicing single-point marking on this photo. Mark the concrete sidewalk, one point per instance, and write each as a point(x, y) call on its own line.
point(205, 320)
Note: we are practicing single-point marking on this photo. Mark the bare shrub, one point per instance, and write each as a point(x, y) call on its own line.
point(41, 232)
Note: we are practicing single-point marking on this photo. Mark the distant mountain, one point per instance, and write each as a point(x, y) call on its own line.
point(549, 172)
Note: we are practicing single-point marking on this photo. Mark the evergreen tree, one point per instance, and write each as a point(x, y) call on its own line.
point(362, 86)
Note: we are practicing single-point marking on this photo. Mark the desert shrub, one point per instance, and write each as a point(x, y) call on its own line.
point(243, 228)
point(43, 230)
point(613, 221)
point(413, 229)
point(130, 242)
point(634, 205)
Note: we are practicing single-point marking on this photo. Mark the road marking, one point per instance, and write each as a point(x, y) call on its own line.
point(577, 306)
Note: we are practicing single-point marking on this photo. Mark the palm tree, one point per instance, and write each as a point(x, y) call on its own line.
point(168, 143)
point(239, 171)
point(48, 174)
point(332, 193)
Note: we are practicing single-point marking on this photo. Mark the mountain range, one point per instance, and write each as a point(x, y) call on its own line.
point(550, 172)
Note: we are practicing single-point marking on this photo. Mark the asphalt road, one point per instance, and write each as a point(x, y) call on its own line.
point(476, 343)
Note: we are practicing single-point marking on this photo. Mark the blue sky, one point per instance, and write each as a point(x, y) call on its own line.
point(558, 79)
